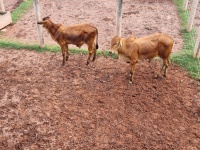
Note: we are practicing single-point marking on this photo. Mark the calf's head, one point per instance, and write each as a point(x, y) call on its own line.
point(116, 45)
point(46, 22)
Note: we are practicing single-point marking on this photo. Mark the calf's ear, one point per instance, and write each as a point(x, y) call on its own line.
point(120, 43)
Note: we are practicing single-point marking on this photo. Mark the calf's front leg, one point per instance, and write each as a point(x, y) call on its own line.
point(132, 72)
point(63, 54)
point(67, 53)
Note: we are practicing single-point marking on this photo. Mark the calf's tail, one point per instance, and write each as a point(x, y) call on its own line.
point(97, 46)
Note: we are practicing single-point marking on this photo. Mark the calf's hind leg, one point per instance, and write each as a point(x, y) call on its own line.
point(132, 71)
point(91, 51)
point(165, 67)
point(63, 54)
point(165, 64)
point(95, 51)
point(161, 69)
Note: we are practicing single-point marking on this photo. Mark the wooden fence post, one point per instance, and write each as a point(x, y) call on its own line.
point(38, 18)
point(197, 46)
point(119, 17)
point(2, 8)
point(185, 5)
point(192, 14)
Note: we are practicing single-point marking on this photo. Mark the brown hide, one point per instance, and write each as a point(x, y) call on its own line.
point(132, 49)
point(76, 35)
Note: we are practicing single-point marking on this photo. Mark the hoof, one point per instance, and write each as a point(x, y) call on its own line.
point(159, 75)
point(165, 76)
point(156, 76)
point(130, 82)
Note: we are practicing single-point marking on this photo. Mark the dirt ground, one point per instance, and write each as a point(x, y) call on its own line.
point(44, 105)
point(47, 106)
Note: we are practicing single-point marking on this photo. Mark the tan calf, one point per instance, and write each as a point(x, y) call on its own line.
point(77, 35)
point(132, 49)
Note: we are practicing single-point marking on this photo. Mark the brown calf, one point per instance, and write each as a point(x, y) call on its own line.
point(132, 49)
point(77, 35)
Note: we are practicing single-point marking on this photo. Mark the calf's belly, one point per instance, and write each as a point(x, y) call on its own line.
point(148, 56)
point(124, 58)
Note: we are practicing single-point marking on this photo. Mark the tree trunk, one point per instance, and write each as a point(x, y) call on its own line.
point(192, 14)
point(119, 17)
point(38, 18)
point(2, 8)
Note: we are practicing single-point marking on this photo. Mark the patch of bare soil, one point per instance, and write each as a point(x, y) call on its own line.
point(140, 18)
point(10, 5)
point(44, 105)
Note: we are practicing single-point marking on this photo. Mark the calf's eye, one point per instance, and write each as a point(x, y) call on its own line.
point(117, 44)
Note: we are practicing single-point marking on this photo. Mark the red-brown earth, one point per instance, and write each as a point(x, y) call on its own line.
point(47, 106)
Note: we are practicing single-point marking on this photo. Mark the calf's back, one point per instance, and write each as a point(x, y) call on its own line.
point(154, 45)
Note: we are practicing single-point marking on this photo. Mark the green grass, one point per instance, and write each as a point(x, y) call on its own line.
point(185, 57)
point(18, 45)
point(10, 44)
point(21, 10)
